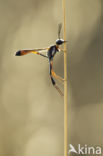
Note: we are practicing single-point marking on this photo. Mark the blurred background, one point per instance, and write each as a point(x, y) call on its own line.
point(31, 110)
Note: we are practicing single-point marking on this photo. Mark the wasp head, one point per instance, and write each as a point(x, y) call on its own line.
point(60, 41)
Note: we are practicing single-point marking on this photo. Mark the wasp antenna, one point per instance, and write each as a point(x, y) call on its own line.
point(59, 29)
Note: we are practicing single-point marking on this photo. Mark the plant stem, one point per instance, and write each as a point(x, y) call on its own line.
point(65, 85)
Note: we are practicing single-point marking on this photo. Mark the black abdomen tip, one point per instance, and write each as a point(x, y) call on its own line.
point(18, 53)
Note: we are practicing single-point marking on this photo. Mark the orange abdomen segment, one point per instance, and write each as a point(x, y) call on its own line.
point(22, 52)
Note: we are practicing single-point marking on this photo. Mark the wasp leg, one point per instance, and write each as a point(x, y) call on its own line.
point(53, 81)
point(55, 75)
point(39, 54)
point(62, 50)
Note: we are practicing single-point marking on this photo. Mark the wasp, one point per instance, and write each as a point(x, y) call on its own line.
point(50, 53)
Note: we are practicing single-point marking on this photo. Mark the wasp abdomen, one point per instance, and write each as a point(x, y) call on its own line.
point(18, 53)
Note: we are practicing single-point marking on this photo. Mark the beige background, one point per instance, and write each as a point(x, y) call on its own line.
point(31, 110)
